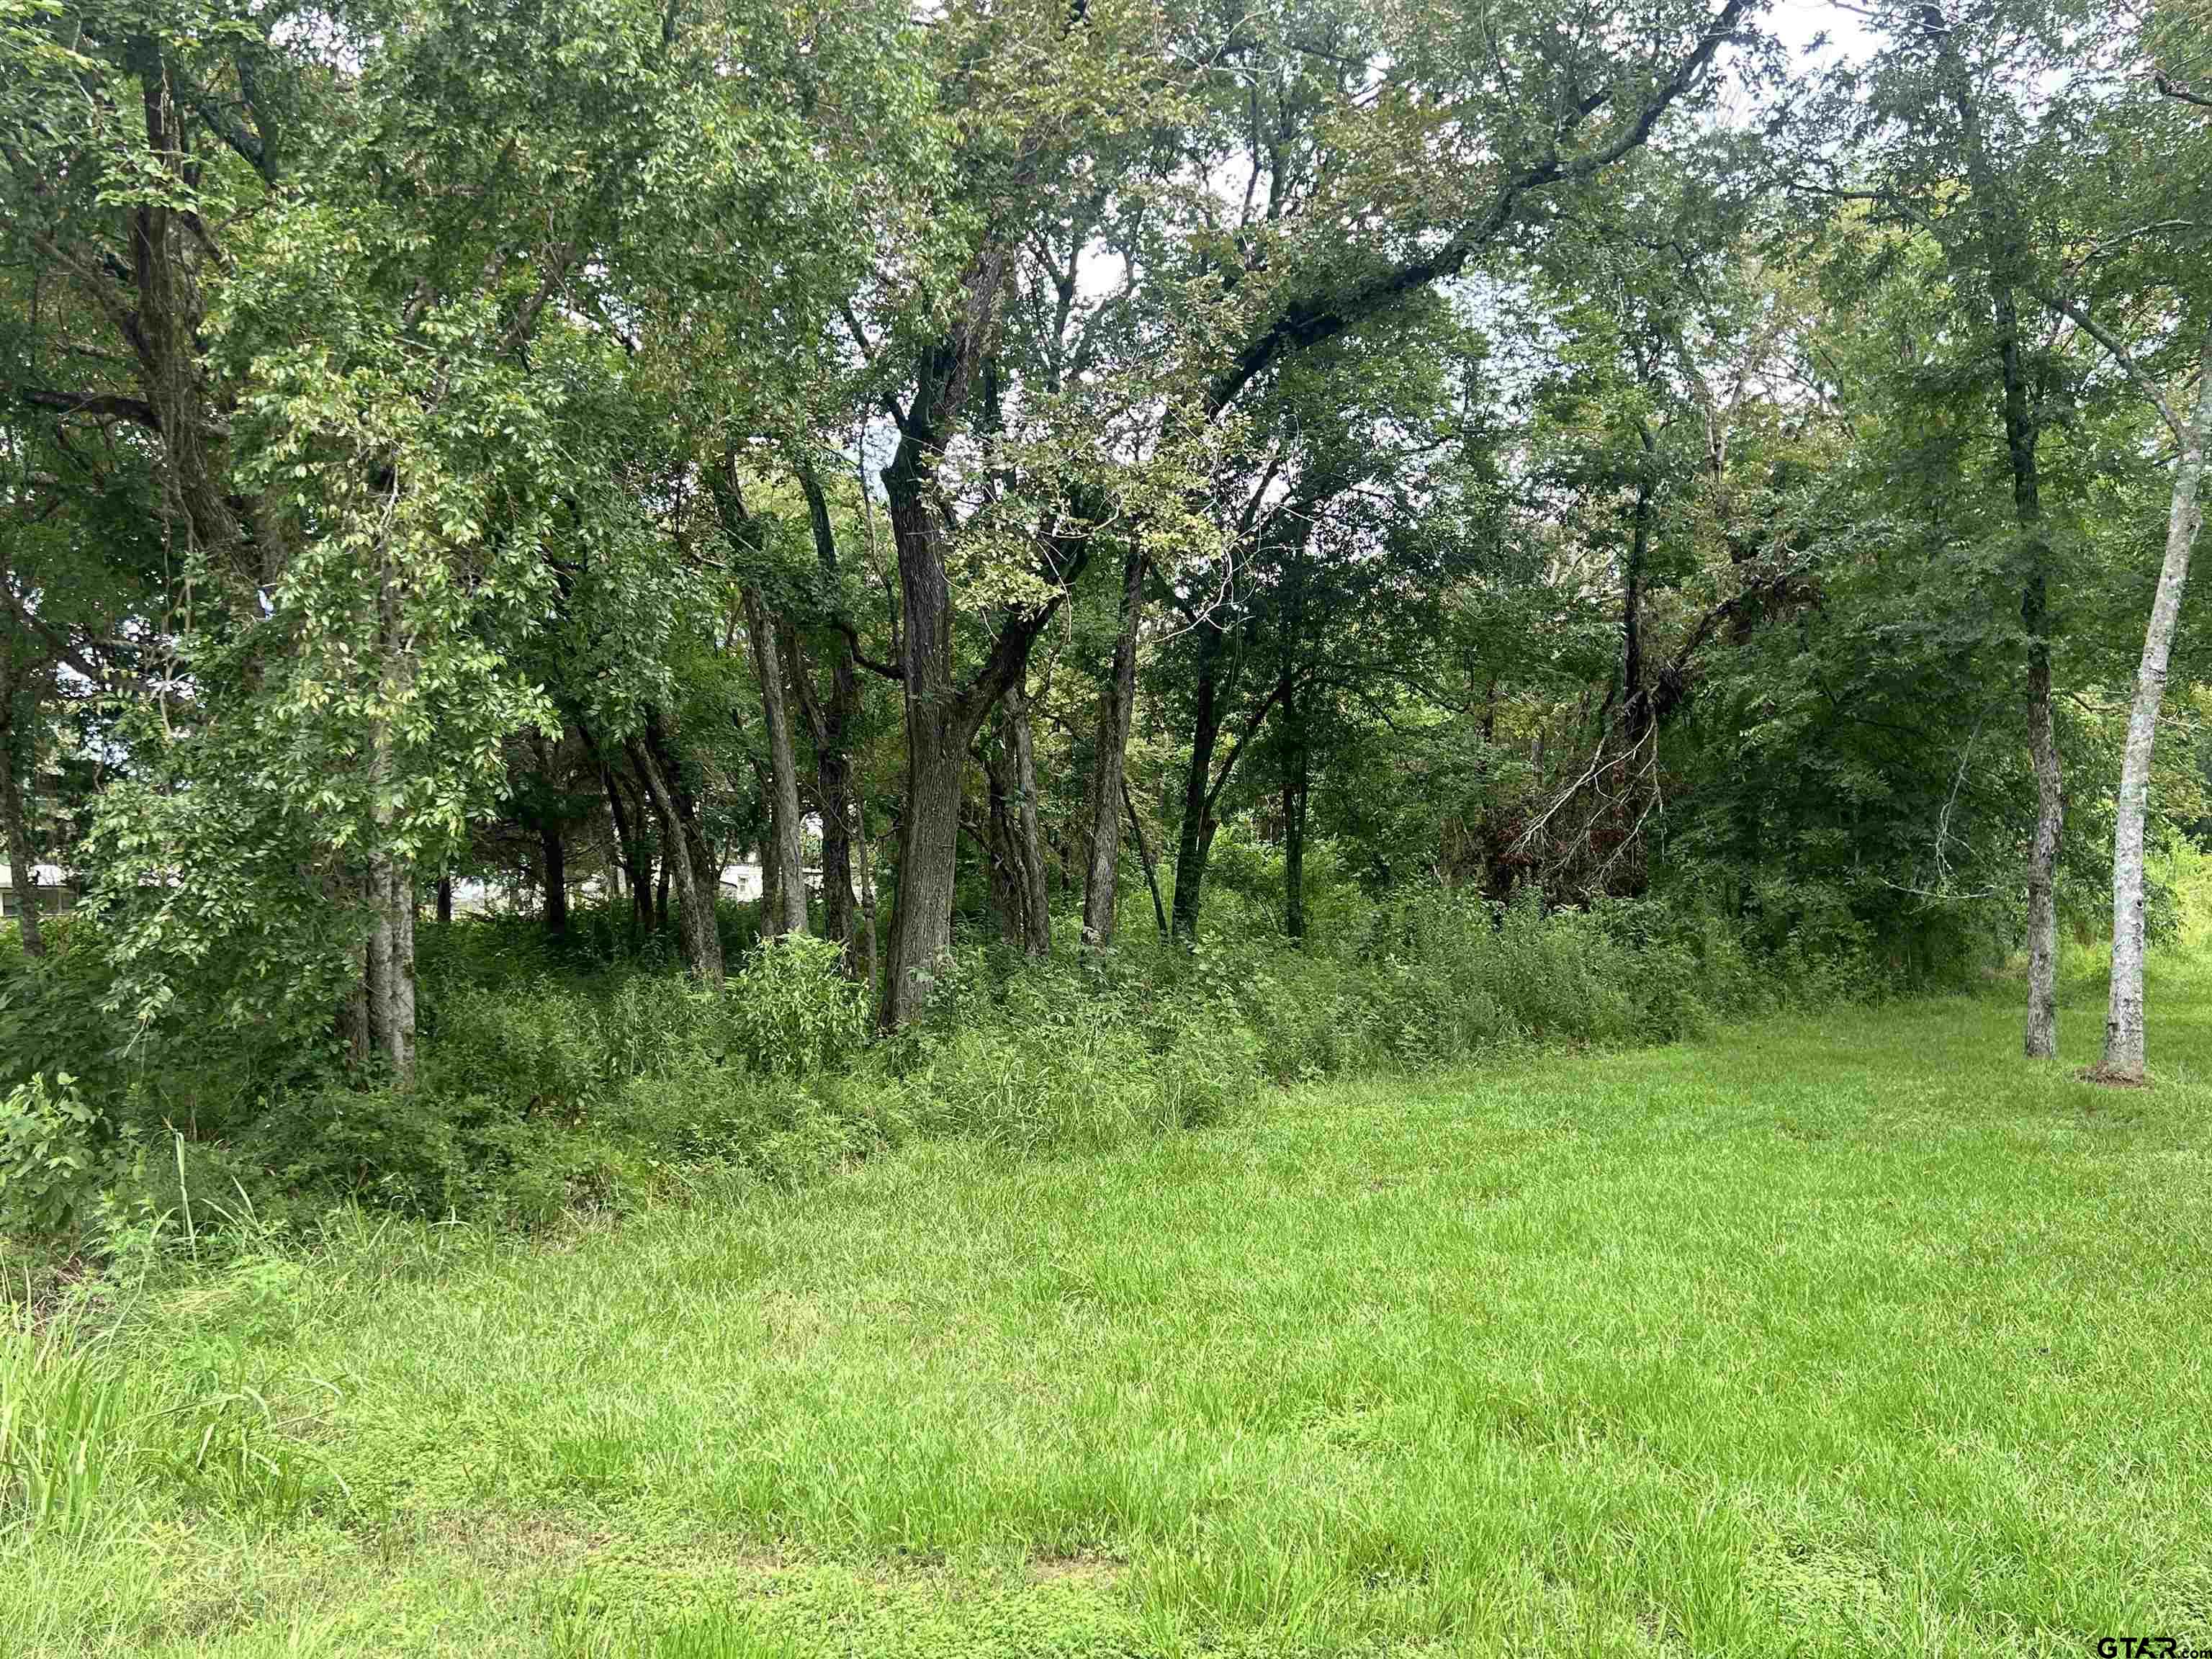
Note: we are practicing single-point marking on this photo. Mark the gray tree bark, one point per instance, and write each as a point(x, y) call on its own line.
point(787, 911)
point(1029, 843)
point(390, 967)
point(830, 725)
point(1115, 702)
point(681, 844)
point(2125, 1055)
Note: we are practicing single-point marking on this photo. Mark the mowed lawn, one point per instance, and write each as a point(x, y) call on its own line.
point(1852, 1333)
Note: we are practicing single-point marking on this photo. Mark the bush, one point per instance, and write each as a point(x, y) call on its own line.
point(792, 1011)
point(50, 1156)
point(537, 1046)
point(723, 1120)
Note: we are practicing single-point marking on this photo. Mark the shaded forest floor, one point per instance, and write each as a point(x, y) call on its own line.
point(1850, 1334)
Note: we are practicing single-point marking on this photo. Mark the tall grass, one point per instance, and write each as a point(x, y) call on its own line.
point(64, 1426)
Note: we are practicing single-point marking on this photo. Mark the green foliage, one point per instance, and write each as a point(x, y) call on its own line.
point(50, 1155)
point(554, 1079)
point(963, 1405)
point(791, 1009)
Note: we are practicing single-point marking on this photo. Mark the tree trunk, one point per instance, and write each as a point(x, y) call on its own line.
point(1115, 704)
point(630, 834)
point(389, 964)
point(390, 884)
point(2124, 1049)
point(1998, 225)
point(21, 856)
point(1144, 857)
point(928, 839)
point(352, 1012)
point(684, 854)
point(637, 863)
point(1029, 844)
point(444, 901)
point(771, 895)
point(831, 727)
point(867, 893)
point(942, 715)
point(552, 842)
point(786, 913)
point(553, 847)
point(2040, 1037)
point(1195, 837)
point(1009, 886)
point(1636, 709)
point(833, 789)
point(1297, 781)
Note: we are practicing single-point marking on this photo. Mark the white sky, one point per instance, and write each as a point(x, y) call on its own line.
point(1796, 23)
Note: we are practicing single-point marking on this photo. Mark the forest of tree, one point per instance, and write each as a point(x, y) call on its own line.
point(1096, 476)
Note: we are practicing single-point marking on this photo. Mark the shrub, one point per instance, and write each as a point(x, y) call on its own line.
point(719, 1118)
point(654, 1023)
point(792, 1011)
point(535, 1047)
point(1081, 1058)
point(50, 1156)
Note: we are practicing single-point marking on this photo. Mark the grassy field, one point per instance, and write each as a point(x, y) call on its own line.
point(1844, 1334)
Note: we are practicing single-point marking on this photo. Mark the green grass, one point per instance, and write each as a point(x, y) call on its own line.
point(1843, 1334)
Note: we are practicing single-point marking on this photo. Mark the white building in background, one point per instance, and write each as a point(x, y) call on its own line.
point(55, 894)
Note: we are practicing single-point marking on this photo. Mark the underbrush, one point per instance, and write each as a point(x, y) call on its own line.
point(587, 1074)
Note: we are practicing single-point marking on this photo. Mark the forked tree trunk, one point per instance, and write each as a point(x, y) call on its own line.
point(1115, 704)
point(942, 714)
point(941, 722)
point(2124, 1049)
point(784, 878)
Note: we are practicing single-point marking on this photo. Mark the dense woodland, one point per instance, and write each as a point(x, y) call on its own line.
point(1189, 542)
